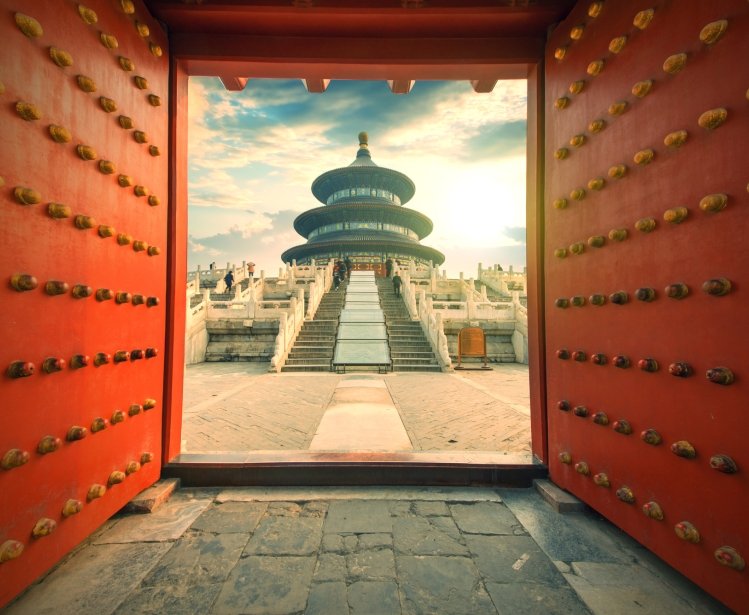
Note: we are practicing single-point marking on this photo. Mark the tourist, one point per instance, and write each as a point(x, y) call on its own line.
point(349, 266)
point(389, 267)
point(397, 282)
point(337, 273)
point(229, 280)
point(250, 269)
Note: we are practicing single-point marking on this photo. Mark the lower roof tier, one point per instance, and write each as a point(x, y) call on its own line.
point(378, 246)
point(315, 218)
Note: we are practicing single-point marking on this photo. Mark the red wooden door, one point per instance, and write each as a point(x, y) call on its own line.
point(84, 227)
point(647, 274)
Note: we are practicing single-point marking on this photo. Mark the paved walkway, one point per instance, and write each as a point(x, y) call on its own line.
point(242, 407)
point(361, 551)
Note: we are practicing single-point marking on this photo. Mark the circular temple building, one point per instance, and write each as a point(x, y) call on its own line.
point(363, 217)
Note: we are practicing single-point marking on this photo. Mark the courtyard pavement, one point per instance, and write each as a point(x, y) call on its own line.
point(242, 407)
point(361, 551)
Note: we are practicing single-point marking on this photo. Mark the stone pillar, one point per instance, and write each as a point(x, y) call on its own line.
point(461, 276)
point(228, 266)
point(480, 269)
point(483, 292)
point(510, 268)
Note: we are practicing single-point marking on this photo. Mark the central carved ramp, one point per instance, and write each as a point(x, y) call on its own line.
point(362, 340)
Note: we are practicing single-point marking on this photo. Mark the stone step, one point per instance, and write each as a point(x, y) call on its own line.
point(416, 368)
point(324, 339)
point(412, 354)
point(304, 361)
point(321, 367)
point(306, 353)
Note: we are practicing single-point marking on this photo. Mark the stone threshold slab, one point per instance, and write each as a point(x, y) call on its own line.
point(311, 494)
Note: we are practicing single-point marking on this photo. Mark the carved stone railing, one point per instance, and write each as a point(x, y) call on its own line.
point(289, 325)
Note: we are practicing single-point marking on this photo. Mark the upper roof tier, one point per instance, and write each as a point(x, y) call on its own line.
point(363, 172)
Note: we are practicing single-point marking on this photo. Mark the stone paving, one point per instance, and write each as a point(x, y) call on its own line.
point(361, 551)
point(242, 407)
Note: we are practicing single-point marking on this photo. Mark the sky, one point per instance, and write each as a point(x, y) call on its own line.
point(254, 154)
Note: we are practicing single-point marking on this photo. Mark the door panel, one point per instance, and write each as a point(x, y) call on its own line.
point(47, 321)
point(703, 330)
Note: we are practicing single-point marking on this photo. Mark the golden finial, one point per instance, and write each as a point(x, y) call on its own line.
point(363, 140)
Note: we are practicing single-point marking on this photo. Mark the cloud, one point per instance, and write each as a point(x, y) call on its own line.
point(516, 233)
point(253, 156)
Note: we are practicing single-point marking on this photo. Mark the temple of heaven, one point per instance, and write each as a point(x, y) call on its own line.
point(363, 217)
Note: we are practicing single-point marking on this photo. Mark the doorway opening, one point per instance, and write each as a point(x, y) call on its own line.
point(252, 156)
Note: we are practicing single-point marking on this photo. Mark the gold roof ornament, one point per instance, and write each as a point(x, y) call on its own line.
point(713, 31)
point(644, 157)
point(28, 111)
point(676, 139)
point(597, 126)
point(595, 68)
point(140, 82)
point(642, 88)
point(28, 25)
point(675, 63)
point(713, 118)
point(363, 140)
point(87, 15)
point(617, 44)
point(60, 57)
point(107, 167)
point(643, 18)
point(107, 104)
point(595, 8)
point(618, 107)
point(86, 152)
point(108, 40)
point(577, 86)
point(86, 83)
point(126, 63)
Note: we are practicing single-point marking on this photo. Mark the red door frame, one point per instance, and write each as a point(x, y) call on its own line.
point(349, 59)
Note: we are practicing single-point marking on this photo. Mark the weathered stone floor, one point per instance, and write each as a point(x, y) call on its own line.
point(361, 551)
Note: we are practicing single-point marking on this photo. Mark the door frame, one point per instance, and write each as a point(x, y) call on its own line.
point(440, 59)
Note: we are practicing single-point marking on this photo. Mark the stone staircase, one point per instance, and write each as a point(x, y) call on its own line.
point(313, 348)
point(410, 350)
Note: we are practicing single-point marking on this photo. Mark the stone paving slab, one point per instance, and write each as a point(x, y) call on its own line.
point(168, 523)
point(92, 582)
point(532, 599)
point(240, 517)
point(358, 517)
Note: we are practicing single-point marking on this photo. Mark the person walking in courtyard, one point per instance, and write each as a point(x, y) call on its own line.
point(349, 266)
point(337, 275)
point(389, 267)
point(397, 282)
point(229, 280)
